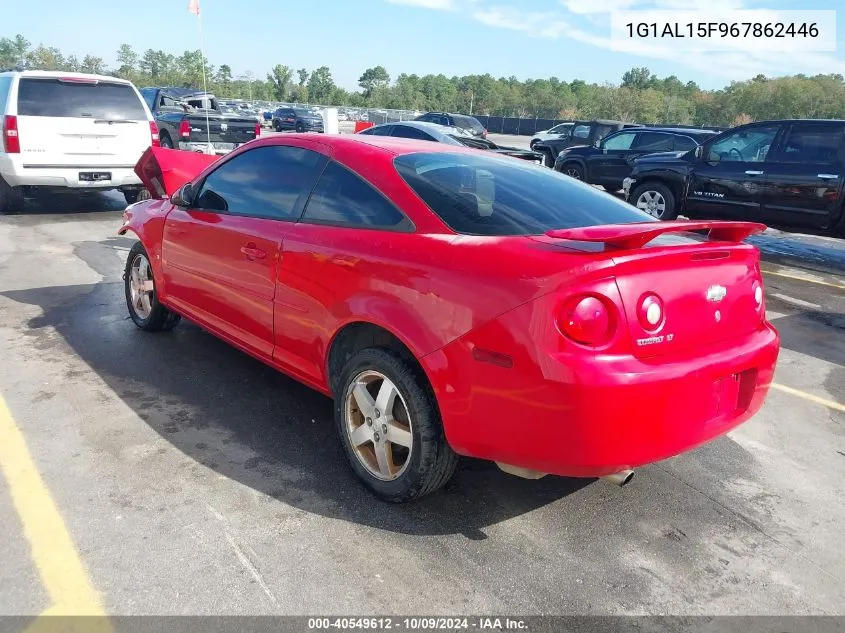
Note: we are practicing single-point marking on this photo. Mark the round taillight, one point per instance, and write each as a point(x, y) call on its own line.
point(586, 320)
point(650, 312)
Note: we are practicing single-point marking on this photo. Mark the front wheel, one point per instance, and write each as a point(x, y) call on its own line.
point(655, 199)
point(139, 286)
point(573, 170)
point(390, 427)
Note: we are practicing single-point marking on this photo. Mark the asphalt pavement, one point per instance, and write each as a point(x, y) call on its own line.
point(172, 474)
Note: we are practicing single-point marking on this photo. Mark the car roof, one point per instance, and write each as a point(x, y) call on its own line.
point(390, 145)
point(57, 74)
point(677, 130)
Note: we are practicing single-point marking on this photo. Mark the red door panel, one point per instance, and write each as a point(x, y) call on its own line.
point(220, 270)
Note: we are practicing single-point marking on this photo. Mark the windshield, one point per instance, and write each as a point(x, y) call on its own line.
point(467, 123)
point(101, 100)
point(489, 195)
point(303, 112)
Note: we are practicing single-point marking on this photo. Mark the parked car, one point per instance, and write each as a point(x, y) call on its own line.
point(609, 161)
point(193, 121)
point(449, 135)
point(468, 124)
point(581, 133)
point(70, 131)
point(444, 297)
point(298, 119)
point(788, 173)
point(561, 130)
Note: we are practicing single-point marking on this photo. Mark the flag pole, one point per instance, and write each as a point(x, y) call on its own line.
point(204, 84)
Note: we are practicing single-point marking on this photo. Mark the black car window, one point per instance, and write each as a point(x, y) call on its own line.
point(684, 143)
point(621, 141)
point(265, 182)
point(406, 131)
point(82, 99)
point(581, 131)
point(485, 194)
point(746, 144)
point(150, 98)
point(378, 130)
point(467, 122)
point(169, 102)
point(426, 118)
point(653, 142)
point(343, 198)
point(813, 142)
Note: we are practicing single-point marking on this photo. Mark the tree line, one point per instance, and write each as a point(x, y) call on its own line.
point(641, 96)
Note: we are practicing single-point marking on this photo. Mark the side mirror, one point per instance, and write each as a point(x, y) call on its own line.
point(183, 196)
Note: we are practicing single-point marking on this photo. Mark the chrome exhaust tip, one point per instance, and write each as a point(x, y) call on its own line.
point(622, 478)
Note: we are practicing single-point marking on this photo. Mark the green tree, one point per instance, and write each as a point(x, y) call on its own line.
point(94, 65)
point(374, 79)
point(320, 86)
point(128, 60)
point(279, 79)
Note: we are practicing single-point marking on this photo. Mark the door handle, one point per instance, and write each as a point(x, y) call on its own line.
point(252, 252)
point(752, 172)
point(828, 176)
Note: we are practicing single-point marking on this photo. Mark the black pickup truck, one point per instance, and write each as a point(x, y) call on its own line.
point(788, 174)
point(581, 133)
point(181, 116)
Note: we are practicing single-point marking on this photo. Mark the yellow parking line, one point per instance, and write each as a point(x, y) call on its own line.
point(800, 278)
point(51, 546)
point(808, 396)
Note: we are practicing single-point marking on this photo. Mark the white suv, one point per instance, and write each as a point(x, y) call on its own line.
point(70, 130)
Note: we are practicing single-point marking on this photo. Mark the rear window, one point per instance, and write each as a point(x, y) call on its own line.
point(467, 122)
point(5, 87)
point(490, 195)
point(54, 98)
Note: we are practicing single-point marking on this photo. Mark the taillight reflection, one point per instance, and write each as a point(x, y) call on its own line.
point(587, 320)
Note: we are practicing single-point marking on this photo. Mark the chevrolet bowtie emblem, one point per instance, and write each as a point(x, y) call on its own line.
point(716, 293)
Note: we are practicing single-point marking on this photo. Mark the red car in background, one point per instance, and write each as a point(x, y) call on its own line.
point(457, 303)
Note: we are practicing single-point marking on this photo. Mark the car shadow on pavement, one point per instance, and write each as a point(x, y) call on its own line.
point(246, 421)
point(76, 202)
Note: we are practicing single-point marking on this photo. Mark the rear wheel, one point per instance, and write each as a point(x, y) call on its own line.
point(390, 427)
point(139, 286)
point(277, 125)
point(548, 159)
point(166, 141)
point(655, 199)
point(300, 127)
point(11, 198)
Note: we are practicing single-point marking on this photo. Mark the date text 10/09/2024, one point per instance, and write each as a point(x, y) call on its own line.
point(721, 29)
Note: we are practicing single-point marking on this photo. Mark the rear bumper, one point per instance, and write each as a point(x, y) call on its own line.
point(204, 148)
point(16, 173)
point(588, 416)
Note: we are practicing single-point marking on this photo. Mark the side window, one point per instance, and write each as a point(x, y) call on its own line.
point(5, 88)
point(653, 142)
point(168, 102)
point(813, 143)
point(343, 198)
point(619, 141)
point(684, 144)
point(426, 118)
point(265, 182)
point(581, 131)
point(749, 145)
point(379, 130)
point(406, 131)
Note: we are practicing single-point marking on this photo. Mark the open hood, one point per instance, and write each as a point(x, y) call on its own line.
point(164, 170)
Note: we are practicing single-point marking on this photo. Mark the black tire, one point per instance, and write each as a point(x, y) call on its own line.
point(548, 159)
point(11, 198)
point(134, 195)
point(431, 461)
point(573, 170)
point(166, 141)
point(670, 211)
point(277, 125)
point(159, 318)
point(300, 127)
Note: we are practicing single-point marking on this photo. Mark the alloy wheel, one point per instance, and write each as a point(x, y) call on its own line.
point(141, 286)
point(652, 202)
point(378, 425)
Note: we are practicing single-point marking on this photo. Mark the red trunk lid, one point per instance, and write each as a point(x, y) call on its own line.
point(706, 290)
point(164, 170)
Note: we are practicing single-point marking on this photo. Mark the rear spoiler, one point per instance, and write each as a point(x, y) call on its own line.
point(638, 234)
point(164, 170)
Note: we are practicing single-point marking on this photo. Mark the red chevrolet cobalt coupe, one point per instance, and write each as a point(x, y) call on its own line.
point(453, 303)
